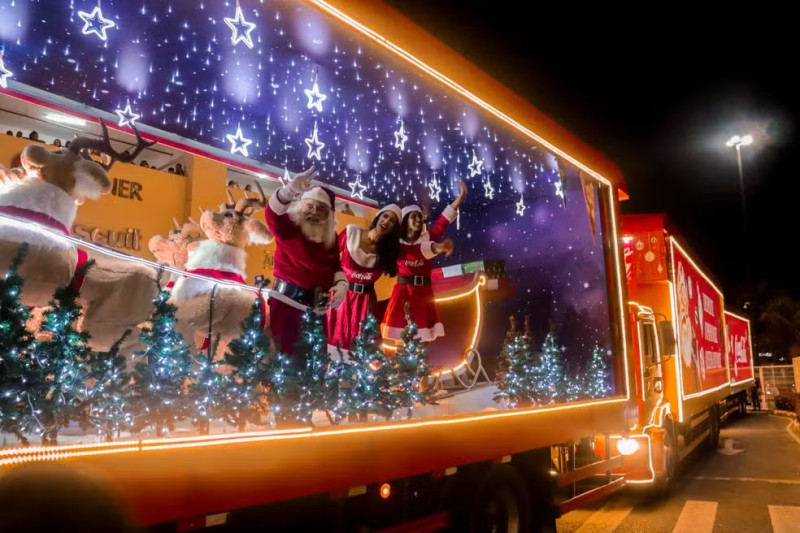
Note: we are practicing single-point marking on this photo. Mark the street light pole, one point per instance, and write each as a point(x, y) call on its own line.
point(737, 142)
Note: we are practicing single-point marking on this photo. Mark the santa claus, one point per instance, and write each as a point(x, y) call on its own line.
point(301, 218)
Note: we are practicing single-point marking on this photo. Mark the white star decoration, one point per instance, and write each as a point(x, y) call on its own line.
point(521, 206)
point(315, 98)
point(315, 146)
point(238, 142)
point(435, 189)
point(476, 165)
point(559, 190)
point(357, 189)
point(4, 74)
point(488, 190)
point(400, 137)
point(94, 22)
point(126, 116)
point(241, 28)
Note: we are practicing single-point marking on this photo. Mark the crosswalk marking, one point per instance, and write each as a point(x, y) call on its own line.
point(784, 519)
point(606, 520)
point(696, 517)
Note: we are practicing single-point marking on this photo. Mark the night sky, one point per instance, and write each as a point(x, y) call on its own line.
point(659, 89)
point(249, 83)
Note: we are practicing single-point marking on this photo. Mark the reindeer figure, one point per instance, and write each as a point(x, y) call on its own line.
point(46, 191)
point(173, 250)
point(222, 256)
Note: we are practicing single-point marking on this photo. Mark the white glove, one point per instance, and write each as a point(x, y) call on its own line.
point(303, 181)
point(336, 294)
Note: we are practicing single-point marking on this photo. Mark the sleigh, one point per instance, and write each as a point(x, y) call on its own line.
point(461, 292)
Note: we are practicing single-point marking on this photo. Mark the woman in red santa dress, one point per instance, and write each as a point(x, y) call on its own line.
point(366, 255)
point(414, 264)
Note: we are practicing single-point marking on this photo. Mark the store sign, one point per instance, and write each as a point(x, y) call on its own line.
point(126, 239)
point(126, 189)
point(739, 354)
point(700, 328)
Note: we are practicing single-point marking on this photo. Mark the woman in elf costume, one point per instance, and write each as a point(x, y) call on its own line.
point(415, 262)
point(366, 255)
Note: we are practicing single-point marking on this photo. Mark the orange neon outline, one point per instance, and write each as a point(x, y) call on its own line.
point(649, 457)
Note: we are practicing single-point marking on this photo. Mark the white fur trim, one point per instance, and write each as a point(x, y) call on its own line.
point(449, 213)
point(361, 257)
point(278, 207)
point(427, 249)
point(392, 208)
point(423, 334)
point(212, 254)
point(40, 196)
point(318, 194)
point(409, 209)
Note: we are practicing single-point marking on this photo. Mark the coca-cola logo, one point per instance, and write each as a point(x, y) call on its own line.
point(415, 262)
point(364, 276)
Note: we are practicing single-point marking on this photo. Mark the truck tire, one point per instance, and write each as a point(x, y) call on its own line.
point(501, 504)
point(670, 452)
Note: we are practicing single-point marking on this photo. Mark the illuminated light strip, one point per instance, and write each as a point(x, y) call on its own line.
point(649, 458)
point(709, 391)
point(375, 36)
point(119, 255)
point(697, 268)
point(622, 307)
point(678, 370)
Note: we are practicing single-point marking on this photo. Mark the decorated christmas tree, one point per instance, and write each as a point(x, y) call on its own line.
point(551, 386)
point(410, 370)
point(159, 395)
point(298, 385)
point(596, 378)
point(207, 388)
point(106, 408)
point(517, 370)
point(247, 355)
point(57, 384)
point(16, 365)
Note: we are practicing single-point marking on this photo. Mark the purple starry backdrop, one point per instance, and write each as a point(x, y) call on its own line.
point(177, 65)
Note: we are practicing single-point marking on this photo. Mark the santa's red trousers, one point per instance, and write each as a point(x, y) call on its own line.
point(284, 325)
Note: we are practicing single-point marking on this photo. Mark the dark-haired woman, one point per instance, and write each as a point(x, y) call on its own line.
point(415, 263)
point(366, 255)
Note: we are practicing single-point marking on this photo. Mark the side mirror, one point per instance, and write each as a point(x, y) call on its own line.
point(666, 337)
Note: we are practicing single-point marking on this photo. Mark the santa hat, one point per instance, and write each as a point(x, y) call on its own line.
point(391, 208)
point(410, 209)
point(321, 194)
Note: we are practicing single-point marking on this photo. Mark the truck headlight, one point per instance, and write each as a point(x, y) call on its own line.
point(627, 446)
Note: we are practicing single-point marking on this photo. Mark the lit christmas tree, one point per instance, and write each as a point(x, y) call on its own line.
point(207, 388)
point(410, 370)
point(107, 408)
point(299, 385)
point(550, 387)
point(162, 369)
point(57, 390)
point(247, 355)
point(517, 370)
point(597, 385)
point(16, 365)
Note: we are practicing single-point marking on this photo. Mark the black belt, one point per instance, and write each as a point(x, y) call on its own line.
point(416, 281)
point(293, 292)
point(360, 288)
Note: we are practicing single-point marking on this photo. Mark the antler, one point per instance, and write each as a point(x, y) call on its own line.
point(186, 230)
point(251, 203)
point(104, 146)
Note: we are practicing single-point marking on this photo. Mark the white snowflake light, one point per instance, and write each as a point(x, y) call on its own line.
point(240, 28)
point(238, 142)
point(126, 116)
point(521, 206)
point(4, 74)
point(315, 98)
point(488, 190)
point(435, 189)
point(476, 165)
point(559, 190)
point(95, 23)
point(400, 137)
point(357, 189)
point(315, 146)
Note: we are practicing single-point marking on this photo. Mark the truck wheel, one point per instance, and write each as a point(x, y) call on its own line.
point(670, 452)
point(501, 504)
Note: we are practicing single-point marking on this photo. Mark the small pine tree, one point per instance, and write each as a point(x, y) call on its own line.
point(57, 391)
point(410, 370)
point(207, 388)
point(15, 362)
point(551, 384)
point(597, 385)
point(298, 386)
point(107, 408)
point(517, 371)
point(159, 395)
point(247, 355)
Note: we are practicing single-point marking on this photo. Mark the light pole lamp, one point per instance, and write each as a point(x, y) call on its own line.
point(737, 142)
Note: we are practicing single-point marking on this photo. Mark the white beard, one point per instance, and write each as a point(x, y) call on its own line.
point(319, 232)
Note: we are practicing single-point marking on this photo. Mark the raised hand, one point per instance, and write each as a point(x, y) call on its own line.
point(303, 181)
point(445, 247)
point(462, 193)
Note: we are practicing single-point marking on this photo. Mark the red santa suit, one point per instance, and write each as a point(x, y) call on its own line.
point(301, 267)
point(414, 266)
